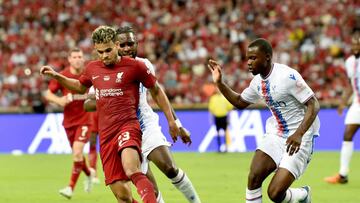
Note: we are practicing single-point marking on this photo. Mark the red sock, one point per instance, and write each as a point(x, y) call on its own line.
point(85, 168)
point(144, 187)
point(93, 156)
point(77, 168)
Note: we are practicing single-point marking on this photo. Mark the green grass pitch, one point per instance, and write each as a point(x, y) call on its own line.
point(218, 178)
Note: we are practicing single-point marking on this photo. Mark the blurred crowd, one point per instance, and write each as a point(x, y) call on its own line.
point(178, 36)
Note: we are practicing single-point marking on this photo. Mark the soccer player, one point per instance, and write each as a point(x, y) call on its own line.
point(155, 147)
point(352, 120)
point(116, 81)
point(76, 121)
point(287, 146)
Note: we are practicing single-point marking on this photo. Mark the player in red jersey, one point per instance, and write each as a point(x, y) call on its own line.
point(76, 120)
point(154, 147)
point(116, 80)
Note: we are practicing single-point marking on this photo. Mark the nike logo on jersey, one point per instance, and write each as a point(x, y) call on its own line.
point(94, 77)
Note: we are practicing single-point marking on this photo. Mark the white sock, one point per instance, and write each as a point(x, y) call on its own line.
point(294, 195)
point(184, 185)
point(159, 198)
point(345, 157)
point(254, 196)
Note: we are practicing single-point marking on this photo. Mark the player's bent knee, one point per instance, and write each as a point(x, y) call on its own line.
point(78, 156)
point(131, 170)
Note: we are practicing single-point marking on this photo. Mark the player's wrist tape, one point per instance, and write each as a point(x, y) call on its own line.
point(70, 97)
point(178, 123)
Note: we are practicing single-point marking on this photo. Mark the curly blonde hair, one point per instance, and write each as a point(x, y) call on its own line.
point(103, 34)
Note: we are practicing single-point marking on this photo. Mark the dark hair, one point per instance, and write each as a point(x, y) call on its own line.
point(103, 34)
point(125, 29)
point(263, 45)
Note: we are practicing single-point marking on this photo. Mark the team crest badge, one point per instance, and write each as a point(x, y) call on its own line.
point(119, 77)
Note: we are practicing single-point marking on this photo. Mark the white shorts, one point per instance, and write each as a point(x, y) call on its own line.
point(151, 139)
point(353, 115)
point(275, 147)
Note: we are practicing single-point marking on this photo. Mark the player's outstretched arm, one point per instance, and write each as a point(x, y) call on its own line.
point(68, 83)
point(294, 141)
point(233, 97)
point(61, 101)
point(162, 101)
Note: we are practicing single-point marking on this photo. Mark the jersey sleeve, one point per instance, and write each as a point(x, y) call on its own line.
point(298, 87)
point(250, 95)
point(54, 86)
point(85, 78)
point(145, 76)
point(150, 66)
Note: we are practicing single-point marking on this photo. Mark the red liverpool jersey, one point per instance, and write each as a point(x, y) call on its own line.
point(74, 113)
point(116, 91)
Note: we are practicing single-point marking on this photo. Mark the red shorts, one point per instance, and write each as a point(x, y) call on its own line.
point(110, 151)
point(80, 133)
point(94, 122)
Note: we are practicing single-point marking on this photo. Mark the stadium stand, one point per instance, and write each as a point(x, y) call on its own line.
point(178, 37)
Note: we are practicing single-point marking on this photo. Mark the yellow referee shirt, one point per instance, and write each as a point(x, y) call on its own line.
point(219, 106)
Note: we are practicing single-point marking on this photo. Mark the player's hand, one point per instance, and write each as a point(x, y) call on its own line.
point(293, 144)
point(174, 130)
point(185, 136)
point(48, 71)
point(64, 100)
point(341, 108)
point(215, 69)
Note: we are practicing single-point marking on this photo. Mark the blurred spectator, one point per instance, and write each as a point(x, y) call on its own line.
point(178, 37)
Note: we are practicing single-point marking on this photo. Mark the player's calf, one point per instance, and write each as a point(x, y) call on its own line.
point(185, 186)
point(144, 187)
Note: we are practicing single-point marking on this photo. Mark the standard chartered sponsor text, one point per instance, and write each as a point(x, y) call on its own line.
point(111, 92)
